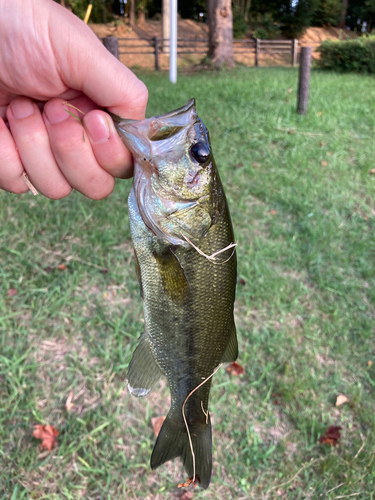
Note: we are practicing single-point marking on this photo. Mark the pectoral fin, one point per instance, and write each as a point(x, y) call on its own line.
point(174, 281)
point(231, 351)
point(143, 371)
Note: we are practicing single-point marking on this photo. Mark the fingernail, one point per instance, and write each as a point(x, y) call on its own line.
point(97, 127)
point(21, 108)
point(56, 112)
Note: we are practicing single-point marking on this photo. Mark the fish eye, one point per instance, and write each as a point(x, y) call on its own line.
point(200, 152)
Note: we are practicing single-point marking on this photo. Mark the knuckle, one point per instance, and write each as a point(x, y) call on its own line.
point(104, 190)
point(59, 193)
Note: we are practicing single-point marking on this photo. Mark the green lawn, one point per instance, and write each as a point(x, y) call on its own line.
point(302, 203)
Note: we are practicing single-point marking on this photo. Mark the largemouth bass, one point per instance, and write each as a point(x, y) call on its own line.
point(186, 265)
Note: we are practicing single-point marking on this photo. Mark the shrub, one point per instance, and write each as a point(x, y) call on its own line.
point(240, 26)
point(348, 55)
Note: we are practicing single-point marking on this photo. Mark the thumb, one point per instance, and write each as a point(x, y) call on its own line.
point(86, 65)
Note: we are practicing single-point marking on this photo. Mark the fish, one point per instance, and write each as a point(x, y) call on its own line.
point(186, 266)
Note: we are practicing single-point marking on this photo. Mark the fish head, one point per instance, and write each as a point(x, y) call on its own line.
point(174, 150)
point(174, 166)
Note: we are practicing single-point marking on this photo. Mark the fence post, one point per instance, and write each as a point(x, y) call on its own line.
point(294, 52)
point(257, 47)
point(304, 78)
point(156, 42)
point(111, 43)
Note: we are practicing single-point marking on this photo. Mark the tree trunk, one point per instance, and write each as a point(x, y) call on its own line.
point(132, 13)
point(141, 17)
point(344, 9)
point(220, 21)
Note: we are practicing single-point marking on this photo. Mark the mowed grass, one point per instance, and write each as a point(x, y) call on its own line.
point(302, 201)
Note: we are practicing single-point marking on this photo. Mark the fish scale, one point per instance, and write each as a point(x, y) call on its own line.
point(179, 217)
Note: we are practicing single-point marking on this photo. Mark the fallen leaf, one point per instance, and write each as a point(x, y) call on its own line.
point(61, 267)
point(104, 271)
point(273, 212)
point(69, 404)
point(290, 90)
point(156, 423)
point(329, 153)
point(48, 435)
point(331, 435)
point(255, 164)
point(291, 131)
point(239, 165)
point(186, 495)
point(235, 369)
point(372, 171)
point(341, 399)
point(324, 163)
point(320, 113)
point(12, 292)
point(322, 144)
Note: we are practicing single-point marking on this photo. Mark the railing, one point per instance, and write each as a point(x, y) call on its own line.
point(155, 46)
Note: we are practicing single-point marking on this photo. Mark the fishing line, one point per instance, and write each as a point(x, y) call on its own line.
point(185, 421)
point(211, 257)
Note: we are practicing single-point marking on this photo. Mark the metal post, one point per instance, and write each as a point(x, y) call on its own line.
point(173, 43)
point(257, 47)
point(156, 42)
point(304, 78)
point(111, 43)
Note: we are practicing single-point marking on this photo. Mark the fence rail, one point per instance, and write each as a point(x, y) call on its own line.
point(255, 47)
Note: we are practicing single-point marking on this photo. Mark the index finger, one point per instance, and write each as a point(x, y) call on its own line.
point(92, 69)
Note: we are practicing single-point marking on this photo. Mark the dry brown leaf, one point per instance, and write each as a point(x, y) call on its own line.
point(341, 399)
point(324, 163)
point(331, 435)
point(372, 171)
point(329, 153)
point(322, 144)
point(273, 212)
point(235, 369)
point(12, 292)
point(61, 267)
point(156, 423)
point(290, 90)
point(187, 495)
point(256, 165)
point(48, 435)
point(69, 404)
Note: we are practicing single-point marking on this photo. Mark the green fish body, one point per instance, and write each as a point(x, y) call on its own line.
point(179, 217)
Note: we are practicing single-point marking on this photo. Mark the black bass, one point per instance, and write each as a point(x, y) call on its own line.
point(186, 264)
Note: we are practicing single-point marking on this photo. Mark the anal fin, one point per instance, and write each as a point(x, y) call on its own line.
point(143, 371)
point(231, 351)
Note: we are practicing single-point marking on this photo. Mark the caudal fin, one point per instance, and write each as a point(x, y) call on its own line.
point(173, 442)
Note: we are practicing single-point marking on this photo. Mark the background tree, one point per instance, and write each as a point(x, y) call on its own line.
point(220, 22)
point(327, 13)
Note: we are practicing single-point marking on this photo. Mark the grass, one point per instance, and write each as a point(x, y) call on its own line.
point(301, 197)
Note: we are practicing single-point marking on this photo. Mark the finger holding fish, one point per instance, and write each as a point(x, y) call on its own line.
point(59, 151)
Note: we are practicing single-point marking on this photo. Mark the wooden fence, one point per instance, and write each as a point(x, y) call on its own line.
point(253, 47)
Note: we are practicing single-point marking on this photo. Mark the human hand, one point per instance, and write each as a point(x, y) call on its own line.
point(49, 56)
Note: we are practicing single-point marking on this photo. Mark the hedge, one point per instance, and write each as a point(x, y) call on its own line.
point(348, 55)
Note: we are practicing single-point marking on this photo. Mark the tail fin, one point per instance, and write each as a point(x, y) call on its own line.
point(173, 442)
